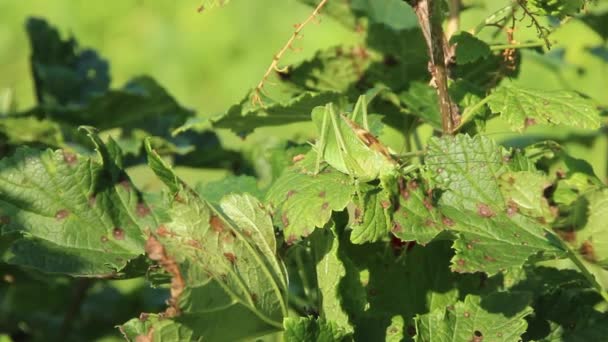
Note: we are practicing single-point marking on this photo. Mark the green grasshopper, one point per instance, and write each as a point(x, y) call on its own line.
point(346, 144)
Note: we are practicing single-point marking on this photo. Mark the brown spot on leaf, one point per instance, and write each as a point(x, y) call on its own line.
point(230, 257)
point(385, 204)
point(512, 208)
point(149, 337)
point(104, 239)
point(529, 122)
point(325, 205)
point(284, 219)
point(162, 231)
point(489, 258)
point(195, 243)
point(61, 214)
point(291, 193)
point(413, 185)
point(357, 214)
point(567, 235)
point(397, 228)
point(92, 200)
point(484, 210)
point(427, 204)
point(448, 222)
point(405, 194)
point(143, 316)
point(469, 246)
point(156, 252)
point(70, 158)
point(297, 158)
point(460, 262)
point(216, 224)
point(587, 251)
point(118, 233)
point(429, 223)
point(466, 314)
point(322, 194)
point(179, 199)
point(291, 239)
point(142, 210)
point(254, 297)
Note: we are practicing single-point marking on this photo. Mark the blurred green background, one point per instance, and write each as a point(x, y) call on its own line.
point(206, 60)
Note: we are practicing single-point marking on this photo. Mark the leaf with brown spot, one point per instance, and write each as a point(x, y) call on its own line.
point(477, 190)
point(419, 218)
point(470, 320)
point(317, 196)
point(68, 202)
point(232, 254)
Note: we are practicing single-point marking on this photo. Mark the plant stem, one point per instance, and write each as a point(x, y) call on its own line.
point(256, 98)
point(429, 17)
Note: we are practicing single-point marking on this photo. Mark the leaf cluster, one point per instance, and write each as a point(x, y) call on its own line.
point(377, 226)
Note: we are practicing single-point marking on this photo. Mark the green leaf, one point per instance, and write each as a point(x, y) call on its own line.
point(416, 218)
point(214, 191)
point(303, 201)
point(74, 214)
point(330, 272)
point(493, 233)
point(523, 107)
point(62, 74)
point(525, 191)
point(592, 238)
point(305, 329)
point(287, 107)
point(222, 261)
point(334, 69)
point(469, 48)
point(565, 308)
point(476, 319)
point(395, 14)
point(372, 221)
point(421, 99)
point(17, 131)
point(142, 103)
point(377, 289)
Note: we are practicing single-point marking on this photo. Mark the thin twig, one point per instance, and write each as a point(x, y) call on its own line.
point(256, 98)
point(539, 28)
point(429, 17)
